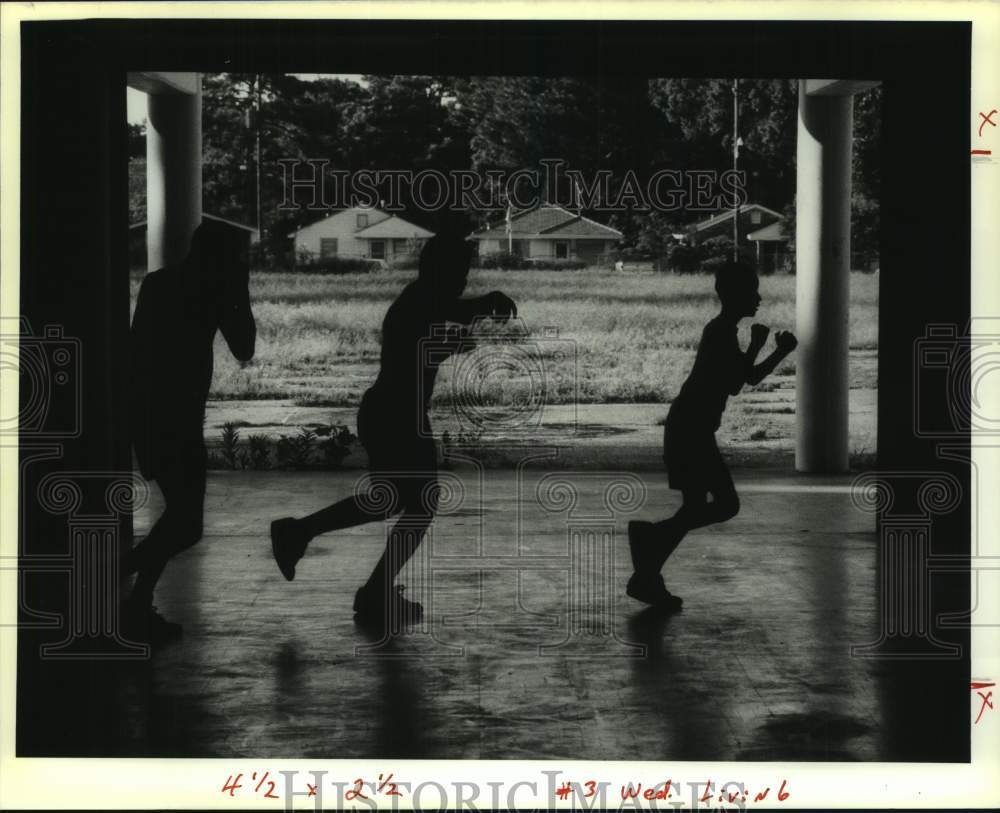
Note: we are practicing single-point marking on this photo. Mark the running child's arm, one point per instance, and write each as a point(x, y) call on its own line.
point(758, 338)
point(236, 318)
point(495, 304)
point(785, 343)
point(744, 371)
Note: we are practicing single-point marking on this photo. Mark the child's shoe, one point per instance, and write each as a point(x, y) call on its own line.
point(652, 590)
point(372, 605)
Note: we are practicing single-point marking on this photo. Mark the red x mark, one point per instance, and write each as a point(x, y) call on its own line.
point(986, 698)
point(986, 118)
point(312, 789)
point(987, 701)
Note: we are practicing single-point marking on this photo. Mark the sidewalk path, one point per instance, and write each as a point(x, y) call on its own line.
point(757, 431)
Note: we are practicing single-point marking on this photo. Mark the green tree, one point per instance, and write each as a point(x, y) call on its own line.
point(136, 190)
point(698, 116)
point(866, 177)
point(137, 140)
point(295, 120)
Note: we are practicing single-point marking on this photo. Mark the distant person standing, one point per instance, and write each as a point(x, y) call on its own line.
point(694, 465)
point(426, 324)
point(619, 266)
point(177, 314)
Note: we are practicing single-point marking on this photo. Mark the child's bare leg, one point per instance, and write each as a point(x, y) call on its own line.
point(346, 513)
point(419, 500)
point(379, 597)
point(403, 540)
point(175, 531)
point(289, 536)
point(696, 512)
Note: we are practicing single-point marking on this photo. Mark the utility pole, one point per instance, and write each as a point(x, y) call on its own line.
point(510, 232)
point(736, 157)
point(260, 225)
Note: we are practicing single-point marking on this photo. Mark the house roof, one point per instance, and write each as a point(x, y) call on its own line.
point(361, 210)
point(206, 216)
point(392, 228)
point(774, 233)
point(395, 228)
point(722, 217)
point(547, 221)
point(582, 227)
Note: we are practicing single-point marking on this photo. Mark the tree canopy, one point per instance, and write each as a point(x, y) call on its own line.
point(625, 127)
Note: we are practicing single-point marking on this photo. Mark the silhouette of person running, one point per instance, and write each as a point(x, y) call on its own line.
point(177, 313)
point(426, 324)
point(694, 465)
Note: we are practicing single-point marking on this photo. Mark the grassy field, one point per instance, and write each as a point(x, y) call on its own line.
point(599, 336)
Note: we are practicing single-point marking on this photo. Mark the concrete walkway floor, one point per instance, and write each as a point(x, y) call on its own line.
point(529, 647)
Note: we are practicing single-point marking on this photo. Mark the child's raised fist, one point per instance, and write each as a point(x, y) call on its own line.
point(785, 341)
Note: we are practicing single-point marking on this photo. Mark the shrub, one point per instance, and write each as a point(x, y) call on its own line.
point(310, 264)
point(505, 261)
point(552, 264)
point(502, 260)
point(337, 444)
point(296, 451)
point(408, 262)
point(260, 452)
point(682, 259)
point(607, 260)
point(719, 247)
point(718, 250)
point(230, 444)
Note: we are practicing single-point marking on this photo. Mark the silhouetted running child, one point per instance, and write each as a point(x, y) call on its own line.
point(176, 316)
point(394, 428)
point(694, 465)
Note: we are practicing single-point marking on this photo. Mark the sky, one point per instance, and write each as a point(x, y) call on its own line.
point(136, 99)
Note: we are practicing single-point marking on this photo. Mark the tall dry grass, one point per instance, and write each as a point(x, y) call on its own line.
point(600, 336)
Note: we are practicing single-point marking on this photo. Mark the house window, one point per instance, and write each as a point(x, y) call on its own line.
point(362, 221)
point(328, 247)
point(399, 245)
point(377, 250)
point(562, 250)
point(755, 216)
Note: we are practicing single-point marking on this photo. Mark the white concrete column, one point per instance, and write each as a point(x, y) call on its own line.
point(173, 174)
point(822, 290)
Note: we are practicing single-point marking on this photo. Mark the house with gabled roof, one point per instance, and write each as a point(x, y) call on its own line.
point(360, 232)
point(549, 232)
point(753, 218)
point(760, 227)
